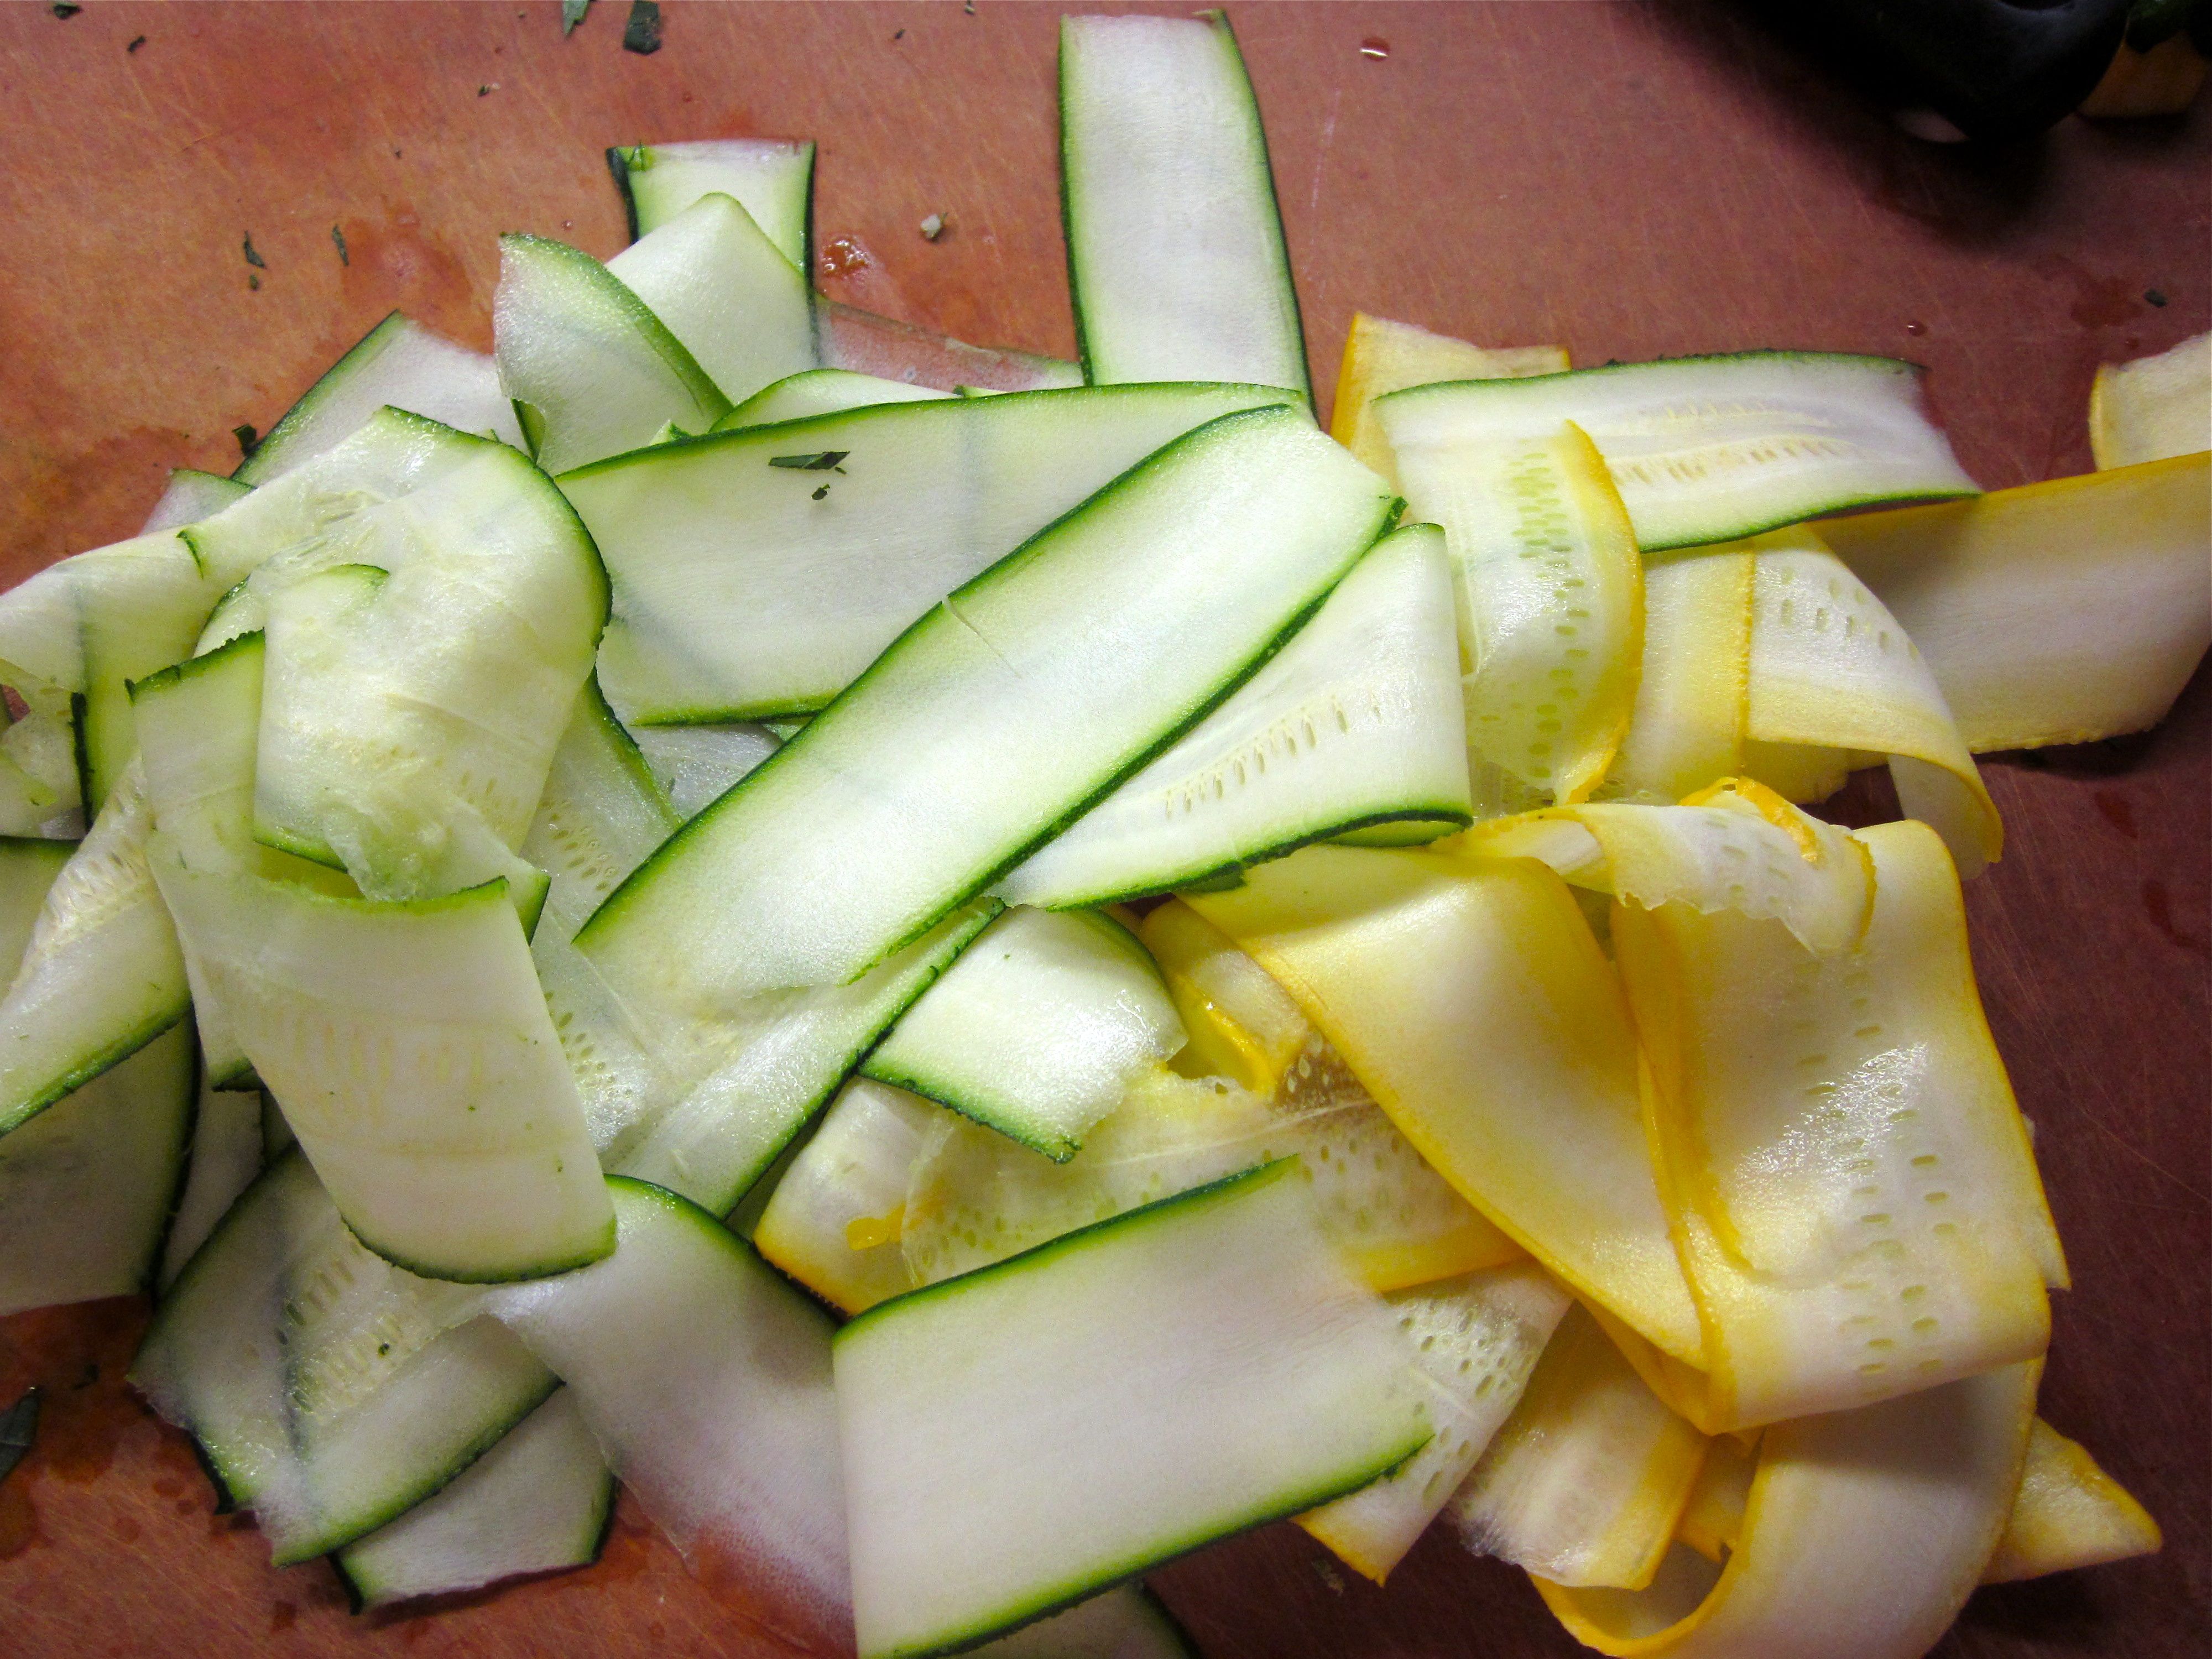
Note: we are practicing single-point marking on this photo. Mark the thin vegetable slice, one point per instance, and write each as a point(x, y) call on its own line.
point(592, 371)
point(1472, 1001)
point(2154, 407)
point(1175, 260)
point(540, 1500)
point(2068, 1513)
point(1019, 1436)
point(410, 1046)
point(760, 572)
point(329, 1391)
point(1037, 1029)
point(823, 392)
point(718, 284)
point(1241, 1024)
point(1477, 1340)
point(974, 1200)
point(1865, 1533)
point(1848, 1176)
point(706, 1380)
point(413, 695)
point(695, 765)
point(1584, 1483)
point(1023, 695)
point(1692, 695)
point(1549, 594)
point(86, 1188)
point(882, 346)
point(835, 1220)
point(774, 178)
point(1381, 357)
point(1706, 449)
point(190, 497)
point(2058, 612)
point(1830, 667)
point(397, 363)
point(1351, 731)
point(102, 976)
point(225, 1156)
point(749, 1079)
point(1736, 847)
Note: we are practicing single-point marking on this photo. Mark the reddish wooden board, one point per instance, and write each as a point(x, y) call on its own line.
point(1625, 179)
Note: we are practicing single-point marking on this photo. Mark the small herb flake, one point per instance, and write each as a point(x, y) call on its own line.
point(824, 461)
point(136, 41)
point(820, 493)
point(969, 8)
point(253, 280)
point(337, 240)
point(932, 228)
point(572, 13)
point(2156, 296)
point(248, 440)
point(641, 35)
point(62, 9)
point(899, 34)
point(252, 258)
point(483, 92)
point(19, 1427)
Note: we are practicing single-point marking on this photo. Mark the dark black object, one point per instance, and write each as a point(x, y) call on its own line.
point(641, 33)
point(1994, 69)
point(19, 1426)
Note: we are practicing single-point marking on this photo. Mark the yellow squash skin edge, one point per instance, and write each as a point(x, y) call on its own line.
point(2058, 612)
point(1831, 669)
point(2068, 1513)
point(1472, 1001)
point(2153, 407)
point(1850, 1183)
point(1586, 1483)
point(1382, 356)
point(1549, 590)
point(1863, 1534)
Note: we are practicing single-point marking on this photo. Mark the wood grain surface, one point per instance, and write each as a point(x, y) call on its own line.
point(1626, 180)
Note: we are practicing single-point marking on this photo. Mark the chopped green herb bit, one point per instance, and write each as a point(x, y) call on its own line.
point(822, 461)
point(2155, 296)
point(249, 440)
point(62, 9)
point(820, 493)
point(483, 92)
point(253, 282)
point(136, 41)
point(641, 35)
point(19, 1426)
point(337, 239)
point(252, 258)
point(572, 13)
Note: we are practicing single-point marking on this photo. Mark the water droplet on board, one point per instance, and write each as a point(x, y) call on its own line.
point(1374, 46)
point(1915, 329)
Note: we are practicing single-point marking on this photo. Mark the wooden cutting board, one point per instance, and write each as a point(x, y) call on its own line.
point(1625, 179)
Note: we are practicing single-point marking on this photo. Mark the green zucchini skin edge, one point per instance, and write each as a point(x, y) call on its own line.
point(1026, 552)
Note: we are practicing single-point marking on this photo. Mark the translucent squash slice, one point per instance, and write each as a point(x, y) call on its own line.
point(2059, 612)
point(1848, 1179)
point(975, 1198)
point(1587, 1479)
point(2153, 407)
point(1549, 592)
point(1381, 357)
point(1470, 999)
point(1241, 1024)
point(2068, 1513)
point(1863, 1534)
point(1476, 1339)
